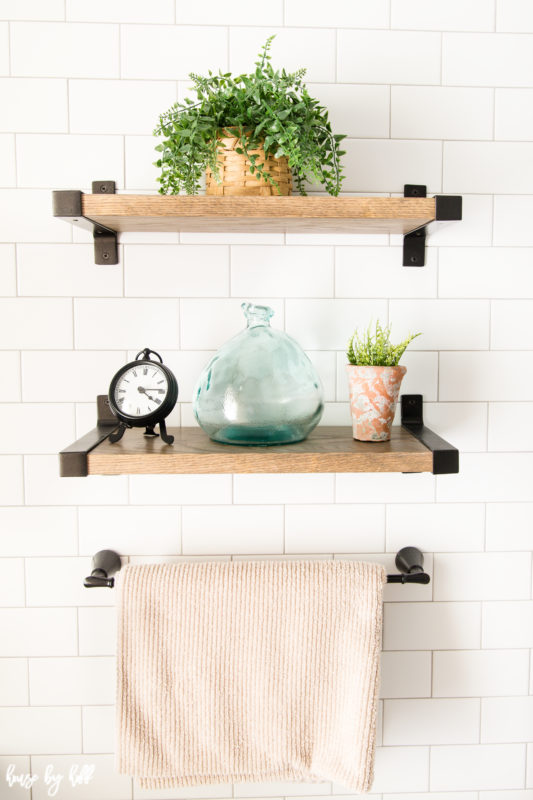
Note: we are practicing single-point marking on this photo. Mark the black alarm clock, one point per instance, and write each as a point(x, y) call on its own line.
point(142, 394)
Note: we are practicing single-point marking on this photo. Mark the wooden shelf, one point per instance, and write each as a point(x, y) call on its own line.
point(272, 214)
point(412, 448)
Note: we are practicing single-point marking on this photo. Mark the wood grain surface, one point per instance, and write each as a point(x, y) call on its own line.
point(327, 449)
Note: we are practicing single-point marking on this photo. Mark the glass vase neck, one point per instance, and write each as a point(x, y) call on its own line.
point(257, 315)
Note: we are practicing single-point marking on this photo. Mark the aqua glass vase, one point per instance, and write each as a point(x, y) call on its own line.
point(260, 388)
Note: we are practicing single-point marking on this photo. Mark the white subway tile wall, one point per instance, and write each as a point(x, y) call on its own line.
point(438, 93)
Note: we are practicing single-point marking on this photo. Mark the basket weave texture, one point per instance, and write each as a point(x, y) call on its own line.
point(236, 178)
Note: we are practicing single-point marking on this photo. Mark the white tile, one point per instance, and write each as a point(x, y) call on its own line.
point(286, 789)
point(215, 791)
point(38, 632)
point(78, 376)
point(334, 529)
point(44, 487)
point(176, 270)
point(524, 794)
point(388, 57)
point(54, 270)
point(441, 112)
point(135, 530)
point(396, 592)
point(141, 173)
point(477, 767)
point(97, 631)
point(326, 365)
point(488, 477)
point(377, 272)
point(431, 626)
point(13, 767)
point(508, 325)
point(385, 165)
point(237, 13)
point(436, 527)
point(232, 237)
point(58, 49)
point(336, 414)
point(514, 114)
point(10, 386)
point(327, 324)
point(482, 576)
point(499, 167)
point(11, 480)
point(72, 681)
point(62, 161)
point(26, 217)
point(474, 230)
point(11, 582)
point(509, 526)
point(507, 624)
point(98, 729)
point(171, 52)
point(431, 721)
point(118, 106)
point(32, 9)
point(180, 489)
point(337, 14)
point(445, 324)
point(51, 323)
point(126, 323)
point(507, 719)
point(232, 529)
point(207, 324)
point(406, 674)
point(514, 15)
point(463, 424)
point(39, 730)
point(511, 220)
point(503, 418)
point(13, 682)
point(384, 488)
point(359, 111)
point(421, 376)
point(529, 774)
point(435, 796)
point(280, 271)
point(292, 49)
point(485, 272)
point(8, 279)
point(37, 427)
point(484, 376)
point(105, 782)
point(405, 768)
point(26, 531)
point(7, 160)
point(482, 59)
point(120, 11)
point(472, 15)
point(33, 105)
point(284, 488)
point(475, 673)
point(65, 587)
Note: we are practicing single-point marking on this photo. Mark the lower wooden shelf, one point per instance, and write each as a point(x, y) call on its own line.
point(412, 448)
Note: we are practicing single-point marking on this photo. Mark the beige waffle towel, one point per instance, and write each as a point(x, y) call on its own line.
point(249, 671)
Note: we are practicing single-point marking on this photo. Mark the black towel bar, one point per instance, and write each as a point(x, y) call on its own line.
point(409, 561)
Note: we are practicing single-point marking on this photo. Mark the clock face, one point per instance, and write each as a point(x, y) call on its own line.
point(141, 390)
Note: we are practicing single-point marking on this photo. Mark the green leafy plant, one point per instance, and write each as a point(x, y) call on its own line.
point(374, 348)
point(267, 108)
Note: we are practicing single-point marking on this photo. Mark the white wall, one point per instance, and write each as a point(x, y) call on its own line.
point(429, 92)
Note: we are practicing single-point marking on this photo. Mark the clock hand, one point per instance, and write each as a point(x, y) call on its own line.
point(142, 390)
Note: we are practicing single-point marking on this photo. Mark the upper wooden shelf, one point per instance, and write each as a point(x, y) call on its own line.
point(412, 448)
point(128, 212)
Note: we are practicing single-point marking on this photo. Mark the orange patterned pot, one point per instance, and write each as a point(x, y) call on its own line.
point(373, 396)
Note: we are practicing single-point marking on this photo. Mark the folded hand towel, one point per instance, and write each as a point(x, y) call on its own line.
point(248, 671)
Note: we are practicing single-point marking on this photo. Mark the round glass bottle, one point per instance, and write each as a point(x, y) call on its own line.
point(260, 388)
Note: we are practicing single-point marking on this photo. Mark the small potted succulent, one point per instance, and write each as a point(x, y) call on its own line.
point(250, 134)
point(374, 377)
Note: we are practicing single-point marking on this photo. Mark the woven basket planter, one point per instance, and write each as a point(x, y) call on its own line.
point(238, 181)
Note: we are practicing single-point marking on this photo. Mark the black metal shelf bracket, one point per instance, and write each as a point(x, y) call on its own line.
point(445, 456)
point(409, 563)
point(73, 459)
point(447, 208)
point(67, 206)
